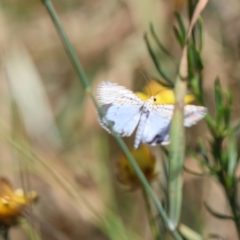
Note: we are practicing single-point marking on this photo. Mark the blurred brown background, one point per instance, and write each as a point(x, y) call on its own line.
point(44, 110)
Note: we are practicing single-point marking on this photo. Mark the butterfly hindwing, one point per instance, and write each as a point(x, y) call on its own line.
point(156, 130)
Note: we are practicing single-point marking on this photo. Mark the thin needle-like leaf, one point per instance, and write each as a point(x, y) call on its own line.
point(160, 45)
point(156, 63)
point(216, 214)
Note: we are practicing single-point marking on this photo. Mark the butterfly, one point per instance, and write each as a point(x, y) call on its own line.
point(125, 111)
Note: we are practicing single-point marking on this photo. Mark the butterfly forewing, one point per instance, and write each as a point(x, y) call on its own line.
point(164, 110)
point(193, 114)
point(112, 93)
point(121, 106)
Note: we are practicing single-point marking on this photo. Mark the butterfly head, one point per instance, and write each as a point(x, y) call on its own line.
point(153, 99)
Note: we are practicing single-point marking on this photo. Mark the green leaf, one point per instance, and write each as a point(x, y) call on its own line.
point(219, 105)
point(232, 154)
point(191, 7)
point(201, 149)
point(200, 27)
point(156, 63)
point(198, 60)
point(199, 174)
point(224, 159)
point(191, 62)
point(220, 120)
point(189, 233)
point(181, 25)
point(194, 56)
point(228, 108)
point(215, 236)
point(200, 161)
point(211, 125)
point(196, 86)
point(179, 37)
point(218, 92)
point(160, 45)
point(216, 214)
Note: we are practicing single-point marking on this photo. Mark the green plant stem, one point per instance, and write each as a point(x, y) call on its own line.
point(231, 192)
point(152, 220)
point(231, 195)
point(191, 8)
point(233, 206)
point(177, 154)
point(67, 45)
point(148, 189)
point(83, 80)
point(4, 234)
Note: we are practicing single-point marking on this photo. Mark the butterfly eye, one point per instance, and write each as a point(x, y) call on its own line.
point(154, 99)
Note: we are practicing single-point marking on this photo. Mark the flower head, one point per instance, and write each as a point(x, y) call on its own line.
point(163, 94)
point(13, 203)
point(145, 160)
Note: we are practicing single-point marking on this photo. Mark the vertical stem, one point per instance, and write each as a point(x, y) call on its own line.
point(231, 195)
point(4, 233)
point(230, 191)
point(233, 206)
point(67, 45)
point(152, 220)
point(177, 153)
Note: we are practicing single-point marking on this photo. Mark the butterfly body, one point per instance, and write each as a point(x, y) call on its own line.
point(125, 111)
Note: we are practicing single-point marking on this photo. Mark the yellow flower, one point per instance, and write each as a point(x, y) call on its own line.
point(145, 160)
point(164, 95)
point(13, 203)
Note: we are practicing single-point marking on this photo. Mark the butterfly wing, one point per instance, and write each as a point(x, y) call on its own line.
point(157, 124)
point(121, 106)
point(155, 130)
point(193, 114)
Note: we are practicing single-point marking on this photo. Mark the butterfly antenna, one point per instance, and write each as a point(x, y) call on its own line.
point(160, 91)
point(147, 81)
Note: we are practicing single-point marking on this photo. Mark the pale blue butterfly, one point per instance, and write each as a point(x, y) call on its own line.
point(124, 111)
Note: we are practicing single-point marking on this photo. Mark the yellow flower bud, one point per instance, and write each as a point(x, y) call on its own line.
point(13, 203)
point(145, 160)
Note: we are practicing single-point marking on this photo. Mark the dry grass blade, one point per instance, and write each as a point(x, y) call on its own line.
point(183, 70)
point(198, 10)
